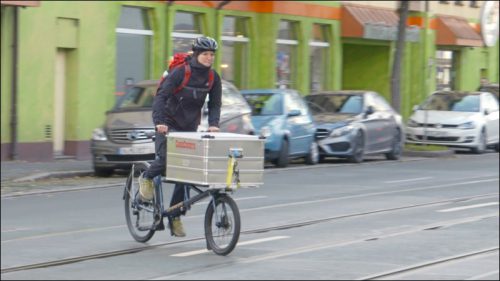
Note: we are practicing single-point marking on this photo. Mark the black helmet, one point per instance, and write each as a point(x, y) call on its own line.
point(205, 44)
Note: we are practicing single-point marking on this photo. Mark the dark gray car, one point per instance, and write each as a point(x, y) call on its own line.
point(122, 140)
point(351, 124)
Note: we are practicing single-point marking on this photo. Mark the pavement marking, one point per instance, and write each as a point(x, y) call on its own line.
point(15, 229)
point(482, 276)
point(248, 198)
point(61, 233)
point(197, 252)
point(415, 179)
point(468, 207)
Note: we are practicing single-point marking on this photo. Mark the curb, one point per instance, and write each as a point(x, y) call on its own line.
point(67, 174)
point(441, 153)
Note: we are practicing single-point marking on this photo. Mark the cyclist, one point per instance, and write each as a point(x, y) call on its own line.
point(180, 110)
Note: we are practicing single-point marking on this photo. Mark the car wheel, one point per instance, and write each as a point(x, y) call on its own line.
point(396, 148)
point(282, 160)
point(313, 157)
point(481, 147)
point(357, 148)
point(103, 172)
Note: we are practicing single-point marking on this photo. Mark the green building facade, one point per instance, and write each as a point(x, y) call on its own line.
point(70, 64)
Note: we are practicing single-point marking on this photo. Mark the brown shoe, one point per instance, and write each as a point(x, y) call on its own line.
point(177, 229)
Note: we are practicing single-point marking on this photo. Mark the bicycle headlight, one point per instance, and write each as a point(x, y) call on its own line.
point(99, 135)
point(341, 131)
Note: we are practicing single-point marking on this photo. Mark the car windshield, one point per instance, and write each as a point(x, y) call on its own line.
point(343, 103)
point(136, 97)
point(460, 102)
point(265, 103)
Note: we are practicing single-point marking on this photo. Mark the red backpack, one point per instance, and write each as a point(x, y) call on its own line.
point(179, 60)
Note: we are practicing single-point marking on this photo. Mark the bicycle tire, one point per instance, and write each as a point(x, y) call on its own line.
point(136, 214)
point(227, 225)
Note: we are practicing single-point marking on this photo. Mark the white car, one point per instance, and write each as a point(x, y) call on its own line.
point(456, 119)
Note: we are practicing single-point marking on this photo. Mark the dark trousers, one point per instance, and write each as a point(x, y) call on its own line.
point(158, 168)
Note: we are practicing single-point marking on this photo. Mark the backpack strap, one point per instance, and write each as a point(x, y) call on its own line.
point(210, 79)
point(187, 75)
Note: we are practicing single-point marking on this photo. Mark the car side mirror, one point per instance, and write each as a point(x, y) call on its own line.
point(486, 111)
point(294, 112)
point(369, 110)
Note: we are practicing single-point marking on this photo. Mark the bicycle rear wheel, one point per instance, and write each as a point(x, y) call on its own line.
point(139, 215)
point(222, 225)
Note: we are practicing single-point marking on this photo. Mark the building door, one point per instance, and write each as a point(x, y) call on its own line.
point(59, 103)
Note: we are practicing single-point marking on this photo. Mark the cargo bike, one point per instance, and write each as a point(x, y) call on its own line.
point(210, 164)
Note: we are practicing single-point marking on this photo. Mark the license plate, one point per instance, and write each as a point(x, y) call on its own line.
point(137, 150)
point(436, 133)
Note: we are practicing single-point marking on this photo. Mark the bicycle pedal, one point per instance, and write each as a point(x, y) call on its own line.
point(160, 226)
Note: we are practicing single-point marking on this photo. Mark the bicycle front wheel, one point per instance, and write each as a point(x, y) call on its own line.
point(222, 225)
point(139, 215)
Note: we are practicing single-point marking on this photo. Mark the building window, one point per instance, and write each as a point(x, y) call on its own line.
point(444, 70)
point(473, 4)
point(234, 55)
point(459, 3)
point(319, 47)
point(187, 27)
point(444, 2)
point(133, 48)
point(286, 54)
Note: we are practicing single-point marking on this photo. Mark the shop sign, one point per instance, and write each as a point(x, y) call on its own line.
point(389, 32)
point(489, 22)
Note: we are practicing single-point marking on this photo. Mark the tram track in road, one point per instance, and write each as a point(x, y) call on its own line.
point(409, 269)
point(115, 253)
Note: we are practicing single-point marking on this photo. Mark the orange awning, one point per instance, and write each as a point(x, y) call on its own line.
point(21, 3)
point(453, 30)
point(372, 23)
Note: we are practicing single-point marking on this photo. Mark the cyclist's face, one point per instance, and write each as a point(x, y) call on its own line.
point(206, 58)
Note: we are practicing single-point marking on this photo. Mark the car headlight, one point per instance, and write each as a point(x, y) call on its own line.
point(265, 131)
point(98, 134)
point(412, 123)
point(341, 131)
point(467, 125)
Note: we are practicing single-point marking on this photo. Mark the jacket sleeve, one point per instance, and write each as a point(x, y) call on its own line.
point(166, 91)
point(214, 102)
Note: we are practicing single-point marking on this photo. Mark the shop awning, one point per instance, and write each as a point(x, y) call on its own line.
point(373, 23)
point(21, 3)
point(453, 30)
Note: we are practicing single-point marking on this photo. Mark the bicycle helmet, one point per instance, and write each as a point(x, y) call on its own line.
point(205, 44)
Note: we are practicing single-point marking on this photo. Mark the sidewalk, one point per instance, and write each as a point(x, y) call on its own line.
point(19, 171)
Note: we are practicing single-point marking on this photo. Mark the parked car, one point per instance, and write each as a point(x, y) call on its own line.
point(122, 140)
point(282, 116)
point(492, 88)
point(352, 124)
point(456, 119)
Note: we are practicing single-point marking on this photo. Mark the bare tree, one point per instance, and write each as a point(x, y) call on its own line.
point(396, 66)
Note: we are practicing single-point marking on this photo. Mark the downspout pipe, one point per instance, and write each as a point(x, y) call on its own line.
point(13, 107)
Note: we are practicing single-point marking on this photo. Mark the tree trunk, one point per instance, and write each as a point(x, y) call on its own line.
point(396, 67)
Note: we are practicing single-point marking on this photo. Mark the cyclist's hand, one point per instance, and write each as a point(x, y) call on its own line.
point(162, 129)
point(213, 129)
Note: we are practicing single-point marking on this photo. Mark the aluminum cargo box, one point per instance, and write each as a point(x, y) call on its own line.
point(201, 158)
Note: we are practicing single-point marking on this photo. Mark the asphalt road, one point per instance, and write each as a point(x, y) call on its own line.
point(412, 219)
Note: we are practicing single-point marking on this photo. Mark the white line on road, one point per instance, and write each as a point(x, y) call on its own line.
point(15, 229)
point(484, 275)
point(415, 179)
point(468, 207)
point(196, 252)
